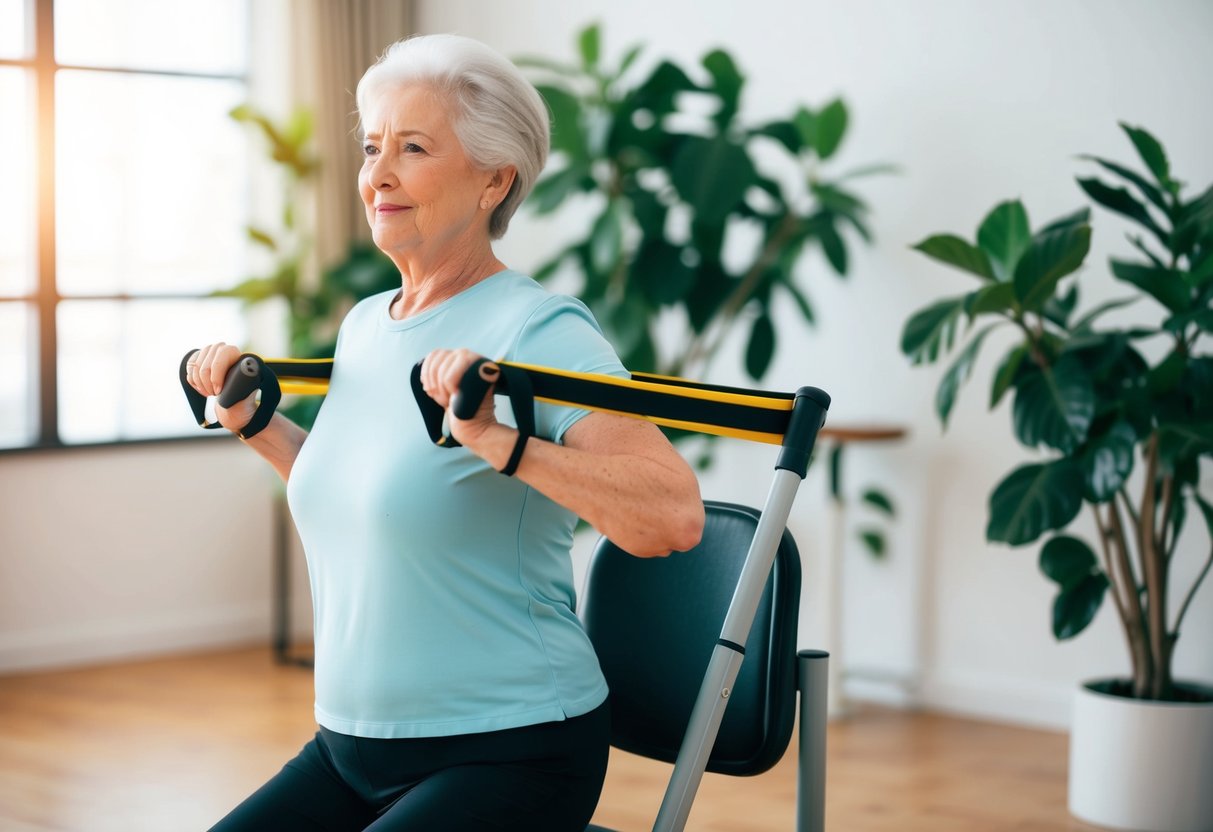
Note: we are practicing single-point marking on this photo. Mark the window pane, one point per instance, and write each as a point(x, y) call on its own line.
point(118, 364)
point(12, 29)
point(151, 185)
point(173, 35)
point(17, 375)
point(16, 184)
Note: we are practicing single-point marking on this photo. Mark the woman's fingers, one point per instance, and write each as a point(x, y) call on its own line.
point(207, 368)
point(443, 370)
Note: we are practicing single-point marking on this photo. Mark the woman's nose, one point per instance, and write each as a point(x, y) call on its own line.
point(381, 176)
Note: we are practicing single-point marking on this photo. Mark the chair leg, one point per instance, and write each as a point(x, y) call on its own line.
point(811, 776)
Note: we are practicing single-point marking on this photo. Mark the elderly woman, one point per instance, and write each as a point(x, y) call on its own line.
point(455, 688)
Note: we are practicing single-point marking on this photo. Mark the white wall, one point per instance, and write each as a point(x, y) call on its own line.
point(977, 102)
point(128, 551)
point(115, 553)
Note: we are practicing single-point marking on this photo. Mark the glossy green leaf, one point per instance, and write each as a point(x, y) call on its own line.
point(552, 190)
point(1167, 286)
point(1034, 499)
point(606, 240)
point(658, 267)
point(1107, 462)
point(1123, 203)
point(993, 297)
point(1051, 256)
point(833, 246)
point(1165, 376)
point(950, 249)
point(958, 374)
point(1005, 374)
point(931, 330)
point(712, 175)
point(874, 541)
point(1067, 561)
point(1054, 406)
point(835, 466)
point(831, 126)
point(801, 300)
point(784, 132)
point(726, 81)
point(261, 237)
point(589, 43)
point(1059, 308)
point(1151, 152)
point(1206, 510)
point(658, 91)
point(878, 500)
point(625, 323)
point(1074, 608)
point(1195, 225)
point(1080, 217)
point(1178, 442)
point(1148, 190)
point(567, 133)
point(761, 347)
point(1004, 236)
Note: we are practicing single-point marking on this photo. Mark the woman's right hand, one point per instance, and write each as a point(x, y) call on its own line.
point(206, 371)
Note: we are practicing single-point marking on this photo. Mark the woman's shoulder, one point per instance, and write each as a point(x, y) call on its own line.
point(522, 292)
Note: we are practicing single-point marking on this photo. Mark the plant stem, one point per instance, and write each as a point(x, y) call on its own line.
point(1191, 592)
point(1154, 573)
point(696, 351)
point(1139, 645)
point(1122, 585)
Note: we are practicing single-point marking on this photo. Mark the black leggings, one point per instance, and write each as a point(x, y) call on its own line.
point(539, 778)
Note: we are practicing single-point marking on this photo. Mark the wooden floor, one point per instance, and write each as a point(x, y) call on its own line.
point(170, 745)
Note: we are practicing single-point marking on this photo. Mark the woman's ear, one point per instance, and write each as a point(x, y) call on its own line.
point(498, 187)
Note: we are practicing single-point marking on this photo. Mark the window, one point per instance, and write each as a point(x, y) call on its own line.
point(124, 194)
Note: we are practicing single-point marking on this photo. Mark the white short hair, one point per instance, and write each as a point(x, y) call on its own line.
point(499, 117)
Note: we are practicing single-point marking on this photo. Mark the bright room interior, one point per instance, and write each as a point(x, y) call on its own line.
point(149, 676)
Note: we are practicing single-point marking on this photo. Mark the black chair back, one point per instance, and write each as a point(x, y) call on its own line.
point(654, 623)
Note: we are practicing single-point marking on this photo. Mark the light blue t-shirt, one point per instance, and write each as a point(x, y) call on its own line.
point(443, 590)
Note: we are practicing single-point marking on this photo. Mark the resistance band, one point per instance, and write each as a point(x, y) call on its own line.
point(754, 415)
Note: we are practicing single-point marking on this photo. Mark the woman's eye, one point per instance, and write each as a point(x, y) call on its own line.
point(413, 148)
point(369, 150)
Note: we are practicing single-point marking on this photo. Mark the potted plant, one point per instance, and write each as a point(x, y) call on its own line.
point(1125, 436)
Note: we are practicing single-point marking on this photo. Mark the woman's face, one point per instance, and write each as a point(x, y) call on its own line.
point(423, 197)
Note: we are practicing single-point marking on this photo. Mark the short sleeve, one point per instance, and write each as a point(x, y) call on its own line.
point(563, 334)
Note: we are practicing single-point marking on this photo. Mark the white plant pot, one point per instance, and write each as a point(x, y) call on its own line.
point(1140, 765)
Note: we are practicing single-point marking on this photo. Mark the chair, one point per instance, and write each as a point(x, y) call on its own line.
point(655, 624)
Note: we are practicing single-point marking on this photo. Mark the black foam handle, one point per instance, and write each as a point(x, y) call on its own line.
point(473, 386)
point(242, 381)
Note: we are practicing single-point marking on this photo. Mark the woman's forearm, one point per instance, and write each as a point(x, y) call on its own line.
point(279, 444)
point(647, 502)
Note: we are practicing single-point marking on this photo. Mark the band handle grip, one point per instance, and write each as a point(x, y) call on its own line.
point(248, 375)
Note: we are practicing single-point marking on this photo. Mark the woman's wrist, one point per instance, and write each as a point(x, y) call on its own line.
point(494, 445)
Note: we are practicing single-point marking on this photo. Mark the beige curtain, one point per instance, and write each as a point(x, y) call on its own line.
point(334, 42)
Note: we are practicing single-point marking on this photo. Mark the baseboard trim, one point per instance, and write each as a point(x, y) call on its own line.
point(97, 642)
point(999, 700)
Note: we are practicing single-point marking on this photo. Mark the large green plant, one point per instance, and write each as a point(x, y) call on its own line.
point(674, 173)
point(695, 210)
point(1087, 392)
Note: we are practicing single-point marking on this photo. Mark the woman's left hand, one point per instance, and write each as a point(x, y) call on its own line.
point(441, 372)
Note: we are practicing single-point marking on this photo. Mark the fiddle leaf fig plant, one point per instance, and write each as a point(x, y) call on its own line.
point(1125, 413)
point(688, 214)
point(695, 211)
